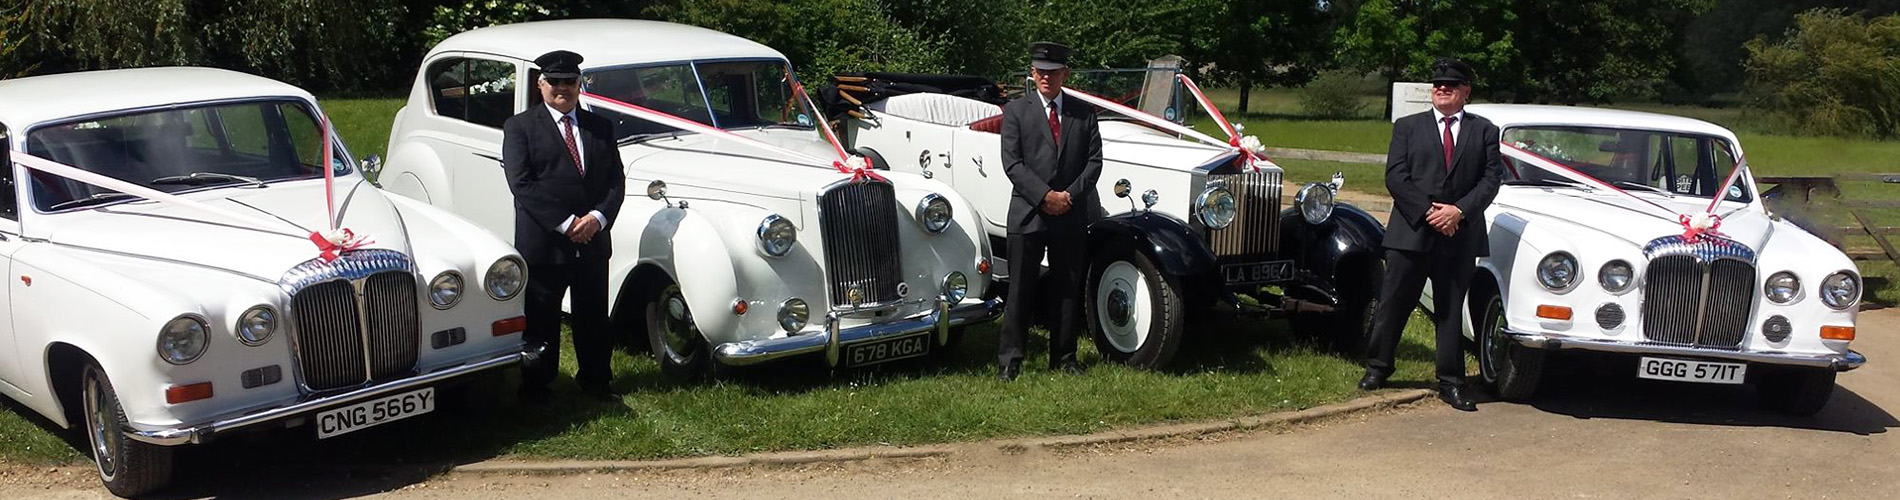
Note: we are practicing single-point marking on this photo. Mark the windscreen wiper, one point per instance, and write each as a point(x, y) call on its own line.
point(206, 178)
point(95, 198)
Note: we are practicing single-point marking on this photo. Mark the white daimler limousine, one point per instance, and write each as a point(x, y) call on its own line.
point(724, 254)
point(151, 320)
point(1590, 250)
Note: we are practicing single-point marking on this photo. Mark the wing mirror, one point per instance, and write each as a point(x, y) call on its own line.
point(656, 191)
point(373, 167)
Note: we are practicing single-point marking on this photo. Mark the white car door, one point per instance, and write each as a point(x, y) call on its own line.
point(11, 372)
point(981, 178)
point(472, 97)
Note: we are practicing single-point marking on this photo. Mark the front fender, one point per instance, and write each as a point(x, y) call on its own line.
point(1173, 246)
point(687, 245)
point(414, 169)
point(1319, 250)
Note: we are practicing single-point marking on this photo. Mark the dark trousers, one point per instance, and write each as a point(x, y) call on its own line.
point(586, 277)
point(1068, 259)
point(1405, 274)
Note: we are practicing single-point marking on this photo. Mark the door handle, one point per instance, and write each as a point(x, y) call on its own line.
point(979, 166)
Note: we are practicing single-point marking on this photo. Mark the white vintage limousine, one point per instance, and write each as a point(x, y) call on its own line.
point(724, 253)
point(1600, 242)
point(159, 228)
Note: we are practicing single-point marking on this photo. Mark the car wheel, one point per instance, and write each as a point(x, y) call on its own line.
point(1348, 328)
point(1134, 313)
point(1800, 393)
point(675, 340)
point(128, 467)
point(1511, 370)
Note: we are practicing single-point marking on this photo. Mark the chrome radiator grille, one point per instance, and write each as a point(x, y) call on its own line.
point(858, 220)
point(1256, 229)
point(355, 319)
point(1698, 293)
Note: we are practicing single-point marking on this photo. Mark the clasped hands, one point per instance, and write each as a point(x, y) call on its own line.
point(1444, 218)
point(1056, 202)
point(583, 229)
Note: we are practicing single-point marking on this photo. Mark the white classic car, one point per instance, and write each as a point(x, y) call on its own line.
point(1209, 228)
point(159, 230)
point(737, 254)
point(1607, 212)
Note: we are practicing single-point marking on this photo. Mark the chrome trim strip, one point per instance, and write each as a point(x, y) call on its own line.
point(832, 340)
point(1837, 362)
point(198, 434)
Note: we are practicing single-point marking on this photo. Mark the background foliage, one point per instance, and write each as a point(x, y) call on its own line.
point(1835, 73)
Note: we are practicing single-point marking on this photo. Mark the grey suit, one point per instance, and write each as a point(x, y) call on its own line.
point(1036, 165)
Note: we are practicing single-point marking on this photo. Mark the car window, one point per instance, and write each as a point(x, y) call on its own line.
point(163, 149)
point(478, 91)
point(724, 94)
point(1679, 163)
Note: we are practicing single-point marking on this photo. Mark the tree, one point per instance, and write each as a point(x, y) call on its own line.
point(1835, 73)
point(1260, 42)
point(820, 37)
point(1400, 38)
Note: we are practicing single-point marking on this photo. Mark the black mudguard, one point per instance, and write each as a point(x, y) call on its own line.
point(1325, 253)
point(1173, 246)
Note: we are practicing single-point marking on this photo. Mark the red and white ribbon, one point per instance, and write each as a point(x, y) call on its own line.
point(332, 241)
point(96, 179)
point(842, 164)
point(1694, 226)
point(1248, 156)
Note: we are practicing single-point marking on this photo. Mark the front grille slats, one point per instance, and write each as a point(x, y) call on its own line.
point(327, 338)
point(391, 300)
point(1256, 228)
point(1698, 294)
point(356, 319)
point(858, 220)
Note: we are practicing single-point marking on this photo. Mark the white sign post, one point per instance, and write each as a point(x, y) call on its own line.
point(1410, 98)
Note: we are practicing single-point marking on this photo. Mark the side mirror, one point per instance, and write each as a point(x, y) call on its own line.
point(656, 190)
point(1122, 187)
point(373, 166)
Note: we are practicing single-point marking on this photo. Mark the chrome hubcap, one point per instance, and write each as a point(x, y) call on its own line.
point(101, 423)
point(1122, 298)
point(677, 328)
point(1494, 341)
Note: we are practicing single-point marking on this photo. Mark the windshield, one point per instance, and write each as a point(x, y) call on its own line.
point(180, 149)
point(1637, 160)
point(725, 94)
point(1152, 90)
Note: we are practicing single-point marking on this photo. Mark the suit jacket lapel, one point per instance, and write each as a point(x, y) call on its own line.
point(1466, 134)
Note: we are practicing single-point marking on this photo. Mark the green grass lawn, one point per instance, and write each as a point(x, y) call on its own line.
point(363, 123)
point(1228, 370)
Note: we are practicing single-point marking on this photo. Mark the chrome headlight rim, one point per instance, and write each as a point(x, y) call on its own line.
point(490, 278)
point(793, 315)
point(923, 213)
point(203, 338)
point(1851, 277)
point(773, 225)
point(1793, 288)
point(1206, 207)
point(1545, 280)
point(1608, 271)
point(456, 297)
point(1315, 192)
point(270, 316)
point(954, 287)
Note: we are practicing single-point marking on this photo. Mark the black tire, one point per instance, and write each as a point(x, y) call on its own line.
point(1112, 328)
point(1511, 371)
point(127, 467)
point(1797, 392)
point(686, 355)
point(1348, 328)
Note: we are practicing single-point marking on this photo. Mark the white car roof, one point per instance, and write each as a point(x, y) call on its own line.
point(1516, 115)
point(606, 42)
point(28, 101)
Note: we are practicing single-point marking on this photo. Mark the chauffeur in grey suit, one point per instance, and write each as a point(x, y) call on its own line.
point(1052, 153)
point(1442, 169)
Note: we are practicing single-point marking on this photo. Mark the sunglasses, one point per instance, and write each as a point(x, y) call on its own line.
point(562, 82)
point(1446, 85)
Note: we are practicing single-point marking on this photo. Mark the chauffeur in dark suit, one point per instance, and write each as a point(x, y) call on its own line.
point(565, 173)
point(1443, 169)
point(1052, 153)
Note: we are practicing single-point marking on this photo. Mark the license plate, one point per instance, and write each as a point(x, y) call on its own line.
point(1682, 370)
point(887, 350)
point(1263, 272)
point(382, 410)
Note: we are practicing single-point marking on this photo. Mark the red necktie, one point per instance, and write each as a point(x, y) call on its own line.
point(1055, 125)
point(567, 125)
point(1448, 121)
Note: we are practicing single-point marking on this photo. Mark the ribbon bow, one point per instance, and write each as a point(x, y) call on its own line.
point(1700, 225)
point(859, 168)
point(334, 242)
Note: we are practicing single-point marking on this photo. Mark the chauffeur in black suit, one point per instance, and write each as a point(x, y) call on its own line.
point(565, 173)
point(1443, 169)
point(1052, 153)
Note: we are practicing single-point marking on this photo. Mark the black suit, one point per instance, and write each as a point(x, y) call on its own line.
point(1037, 165)
point(548, 189)
point(1417, 176)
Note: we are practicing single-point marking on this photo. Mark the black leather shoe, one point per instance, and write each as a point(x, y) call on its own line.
point(1009, 372)
point(1455, 396)
point(1070, 367)
point(1372, 381)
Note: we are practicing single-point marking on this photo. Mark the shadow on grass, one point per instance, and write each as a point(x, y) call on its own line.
point(1590, 387)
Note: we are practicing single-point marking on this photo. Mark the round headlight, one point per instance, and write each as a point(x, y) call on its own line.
point(955, 287)
point(445, 290)
point(1217, 207)
point(776, 236)
point(934, 213)
point(506, 277)
point(1616, 276)
point(1782, 288)
point(1557, 271)
point(182, 340)
point(1840, 290)
point(255, 326)
point(1315, 202)
point(793, 315)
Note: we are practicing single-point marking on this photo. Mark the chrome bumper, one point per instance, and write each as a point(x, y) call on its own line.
point(1836, 362)
point(833, 338)
point(174, 436)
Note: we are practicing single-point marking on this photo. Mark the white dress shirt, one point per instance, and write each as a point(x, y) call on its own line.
point(1438, 122)
point(579, 147)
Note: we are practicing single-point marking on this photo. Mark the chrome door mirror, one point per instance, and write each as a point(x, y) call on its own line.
point(373, 166)
point(656, 190)
point(1122, 187)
